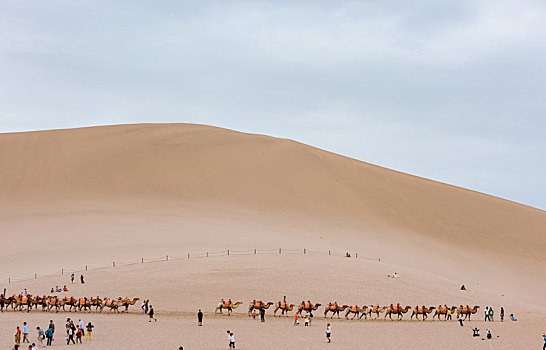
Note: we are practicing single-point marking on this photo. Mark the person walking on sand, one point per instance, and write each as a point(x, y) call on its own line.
point(25, 333)
point(82, 326)
point(486, 312)
point(502, 314)
point(231, 340)
point(70, 336)
point(262, 314)
point(491, 313)
point(151, 314)
point(79, 334)
point(328, 332)
point(296, 321)
point(41, 335)
point(81, 279)
point(544, 338)
point(72, 278)
point(461, 319)
point(306, 321)
point(18, 336)
point(200, 318)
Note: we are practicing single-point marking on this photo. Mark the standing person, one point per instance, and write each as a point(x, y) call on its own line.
point(79, 334)
point(461, 319)
point(41, 335)
point(49, 336)
point(18, 336)
point(296, 321)
point(486, 313)
point(448, 317)
point(81, 279)
point(25, 333)
point(231, 341)
point(89, 329)
point(491, 314)
point(72, 278)
point(502, 314)
point(310, 317)
point(144, 307)
point(306, 319)
point(82, 326)
point(328, 332)
point(151, 314)
point(229, 338)
point(544, 338)
point(200, 318)
point(262, 314)
point(52, 328)
point(489, 336)
point(33, 346)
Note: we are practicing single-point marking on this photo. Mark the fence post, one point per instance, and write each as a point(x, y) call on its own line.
point(280, 250)
point(254, 251)
point(143, 260)
point(35, 276)
point(9, 279)
point(62, 271)
point(329, 252)
point(207, 254)
point(356, 255)
point(85, 267)
point(113, 264)
point(167, 258)
point(228, 252)
point(303, 250)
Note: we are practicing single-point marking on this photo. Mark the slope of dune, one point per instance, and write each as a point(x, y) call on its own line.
point(95, 194)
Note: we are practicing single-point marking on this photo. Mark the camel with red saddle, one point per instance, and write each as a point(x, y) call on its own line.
point(442, 310)
point(112, 304)
point(23, 302)
point(258, 305)
point(55, 302)
point(375, 309)
point(396, 310)
point(228, 305)
point(308, 306)
point(72, 303)
point(126, 302)
point(423, 311)
point(354, 309)
point(40, 301)
point(284, 307)
point(335, 309)
point(467, 311)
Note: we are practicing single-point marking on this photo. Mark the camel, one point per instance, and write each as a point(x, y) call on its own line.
point(307, 306)
point(375, 309)
point(85, 304)
point(284, 307)
point(228, 305)
point(421, 310)
point(354, 309)
point(126, 302)
point(71, 302)
point(334, 309)
point(5, 302)
point(113, 304)
point(55, 302)
point(442, 310)
point(22, 302)
point(40, 301)
point(467, 311)
point(258, 305)
point(97, 302)
point(396, 310)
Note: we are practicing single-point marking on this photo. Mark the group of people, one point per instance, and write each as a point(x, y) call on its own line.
point(148, 309)
point(307, 319)
point(72, 330)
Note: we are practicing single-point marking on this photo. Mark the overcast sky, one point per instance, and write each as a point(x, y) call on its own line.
point(449, 90)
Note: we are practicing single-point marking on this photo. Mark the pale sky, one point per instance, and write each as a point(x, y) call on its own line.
point(448, 90)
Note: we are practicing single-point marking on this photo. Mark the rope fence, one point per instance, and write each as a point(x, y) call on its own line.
point(228, 252)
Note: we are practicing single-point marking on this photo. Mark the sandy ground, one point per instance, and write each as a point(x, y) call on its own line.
point(177, 289)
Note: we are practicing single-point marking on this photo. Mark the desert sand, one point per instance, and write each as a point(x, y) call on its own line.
point(91, 196)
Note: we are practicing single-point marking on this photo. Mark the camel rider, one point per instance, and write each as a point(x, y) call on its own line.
point(392, 307)
point(222, 302)
point(229, 302)
point(398, 306)
point(335, 304)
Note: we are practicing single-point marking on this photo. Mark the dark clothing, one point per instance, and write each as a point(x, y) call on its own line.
point(200, 316)
point(262, 315)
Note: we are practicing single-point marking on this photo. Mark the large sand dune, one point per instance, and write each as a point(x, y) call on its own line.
point(93, 195)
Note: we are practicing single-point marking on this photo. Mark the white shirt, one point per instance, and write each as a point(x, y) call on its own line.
point(81, 325)
point(232, 338)
point(329, 329)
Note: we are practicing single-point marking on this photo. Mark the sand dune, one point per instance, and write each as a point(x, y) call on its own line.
point(94, 195)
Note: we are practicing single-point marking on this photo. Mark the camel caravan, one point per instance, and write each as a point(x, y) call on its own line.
point(373, 312)
point(49, 303)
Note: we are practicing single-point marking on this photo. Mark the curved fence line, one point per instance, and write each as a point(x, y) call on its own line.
point(228, 252)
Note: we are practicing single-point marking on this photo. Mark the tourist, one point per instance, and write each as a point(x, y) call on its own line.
point(16, 347)
point(310, 317)
point(306, 320)
point(328, 332)
point(151, 314)
point(79, 334)
point(18, 336)
point(72, 278)
point(33, 347)
point(41, 335)
point(66, 289)
point(144, 307)
point(25, 333)
point(491, 314)
point(486, 312)
point(262, 314)
point(461, 319)
point(513, 318)
point(70, 334)
point(489, 336)
point(25, 292)
point(81, 279)
point(200, 318)
point(476, 332)
point(231, 341)
point(180, 348)
point(448, 316)
point(89, 329)
point(544, 338)
point(50, 328)
point(296, 321)
point(463, 287)
point(502, 314)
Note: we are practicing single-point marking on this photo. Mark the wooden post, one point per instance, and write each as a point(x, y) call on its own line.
point(303, 250)
point(329, 252)
point(62, 271)
point(167, 258)
point(9, 279)
point(207, 254)
point(35, 276)
point(280, 250)
point(113, 264)
point(188, 255)
point(143, 260)
point(254, 251)
point(85, 267)
point(356, 255)
point(228, 252)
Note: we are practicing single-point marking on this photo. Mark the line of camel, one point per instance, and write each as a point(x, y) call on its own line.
point(48, 303)
point(354, 310)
